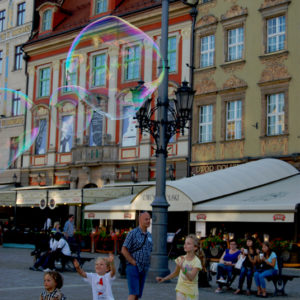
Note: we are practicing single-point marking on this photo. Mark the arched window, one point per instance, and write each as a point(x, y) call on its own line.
point(47, 20)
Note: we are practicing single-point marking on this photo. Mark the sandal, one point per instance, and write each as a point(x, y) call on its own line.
point(237, 292)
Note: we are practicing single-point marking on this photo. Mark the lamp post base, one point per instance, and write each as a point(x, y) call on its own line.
point(159, 258)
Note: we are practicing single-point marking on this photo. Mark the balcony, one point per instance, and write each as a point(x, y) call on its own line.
point(98, 154)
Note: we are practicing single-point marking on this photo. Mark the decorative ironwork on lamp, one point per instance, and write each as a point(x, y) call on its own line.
point(178, 117)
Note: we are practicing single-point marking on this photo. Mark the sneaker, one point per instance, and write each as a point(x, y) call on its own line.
point(40, 269)
point(218, 290)
point(33, 268)
point(47, 270)
point(222, 280)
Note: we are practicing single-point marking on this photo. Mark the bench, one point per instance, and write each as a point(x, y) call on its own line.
point(280, 280)
point(67, 264)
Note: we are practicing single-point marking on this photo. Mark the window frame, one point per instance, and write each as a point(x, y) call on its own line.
point(102, 68)
point(236, 119)
point(276, 35)
point(235, 45)
point(2, 20)
point(40, 83)
point(277, 114)
point(13, 140)
point(46, 140)
point(16, 104)
point(206, 124)
point(137, 61)
point(102, 3)
point(170, 52)
point(21, 10)
point(47, 20)
point(207, 51)
point(65, 81)
point(18, 58)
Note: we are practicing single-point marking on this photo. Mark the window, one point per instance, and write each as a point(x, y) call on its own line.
point(47, 20)
point(16, 104)
point(132, 63)
point(44, 82)
point(40, 142)
point(99, 70)
point(234, 120)
point(66, 133)
point(276, 34)
point(235, 43)
point(21, 14)
point(18, 58)
point(129, 131)
point(69, 79)
point(13, 152)
point(205, 123)
point(101, 6)
point(2, 20)
point(96, 130)
point(172, 56)
point(275, 114)
point(1, 61)
point(207, 51)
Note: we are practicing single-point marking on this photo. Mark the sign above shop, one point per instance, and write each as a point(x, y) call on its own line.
point(31, 197)
point(196, 170)
point(66, 196)
point(178, 200)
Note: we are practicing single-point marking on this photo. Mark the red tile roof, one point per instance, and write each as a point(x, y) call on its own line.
point(77, 14)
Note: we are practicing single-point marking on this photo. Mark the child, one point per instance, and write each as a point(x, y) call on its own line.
point(53, 282)
point(187, 267)
point(102, 279)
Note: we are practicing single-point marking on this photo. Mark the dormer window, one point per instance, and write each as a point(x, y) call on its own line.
point(101, 6)
point(47, 19)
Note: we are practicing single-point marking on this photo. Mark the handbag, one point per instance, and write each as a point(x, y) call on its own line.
point(240, 262)
point(213, 267)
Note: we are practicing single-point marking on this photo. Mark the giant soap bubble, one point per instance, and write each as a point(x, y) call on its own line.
point(16, 141)
point(114, 53)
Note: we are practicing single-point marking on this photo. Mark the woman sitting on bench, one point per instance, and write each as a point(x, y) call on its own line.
point(268, 266)
point(226, 264)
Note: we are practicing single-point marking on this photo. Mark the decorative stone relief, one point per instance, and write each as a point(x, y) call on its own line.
point(232, 68)
point(234, 11)
point(206, 20)
point(186, 33)
point(205, 85)
point(204, 8)
point(274, 145)
point(234, 82)
point(274, 71)
point(268, 3)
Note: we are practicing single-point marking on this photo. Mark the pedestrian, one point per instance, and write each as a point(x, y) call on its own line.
point(47, 224)
point(187, 268)
point(69, 228)
point(53, 282)
point(56, 227)
point(137, 249)
point(100, 281)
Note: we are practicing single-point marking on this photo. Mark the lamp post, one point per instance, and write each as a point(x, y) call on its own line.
point(162, 129)
point(193, 13)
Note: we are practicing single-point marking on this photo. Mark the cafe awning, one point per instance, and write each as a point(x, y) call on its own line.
point(274, 202)
point(31, 198)
point(7, 198)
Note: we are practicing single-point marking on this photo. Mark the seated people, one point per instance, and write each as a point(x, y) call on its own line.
point(56, 227)
point(226, 264)
point(268, 267)
point(249, 254)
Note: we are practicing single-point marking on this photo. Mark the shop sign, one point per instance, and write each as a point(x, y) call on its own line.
point(279, 217)
point(91, 215)
point(127, 215)
point(201, 217)
point(196, 170)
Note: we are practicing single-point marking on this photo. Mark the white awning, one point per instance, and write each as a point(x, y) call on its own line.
point(274, 202)
point(31, 198)
point(65, 196)
point(7, 198)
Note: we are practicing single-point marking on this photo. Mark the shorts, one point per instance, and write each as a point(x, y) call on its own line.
point(180, 296)
point(135, 280)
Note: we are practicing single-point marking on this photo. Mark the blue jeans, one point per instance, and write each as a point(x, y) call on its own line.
point(224, 271)
point(135, 280)
point(245, 271)
point(260, 277)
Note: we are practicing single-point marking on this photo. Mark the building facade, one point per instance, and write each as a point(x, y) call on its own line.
point(246, 104)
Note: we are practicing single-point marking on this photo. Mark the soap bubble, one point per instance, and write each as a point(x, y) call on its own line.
point(116, 51)
point(15, 141)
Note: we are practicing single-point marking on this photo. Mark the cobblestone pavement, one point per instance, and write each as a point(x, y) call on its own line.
point(17, 282)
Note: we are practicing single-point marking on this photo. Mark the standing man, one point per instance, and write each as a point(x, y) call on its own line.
point(137, 250)
point(69, 228)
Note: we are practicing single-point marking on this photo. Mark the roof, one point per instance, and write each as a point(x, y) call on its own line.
point(228, 181)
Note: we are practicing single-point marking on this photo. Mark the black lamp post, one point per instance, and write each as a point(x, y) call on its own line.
point(155, 121)
point(193, 13)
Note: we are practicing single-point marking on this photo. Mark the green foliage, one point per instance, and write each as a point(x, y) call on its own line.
point(211, 241)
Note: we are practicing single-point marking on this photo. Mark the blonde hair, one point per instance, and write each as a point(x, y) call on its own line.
point(55, 224)
point(106, 261)
point(199, 251)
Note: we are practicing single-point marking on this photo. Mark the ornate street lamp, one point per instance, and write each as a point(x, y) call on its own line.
point(162, 121)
